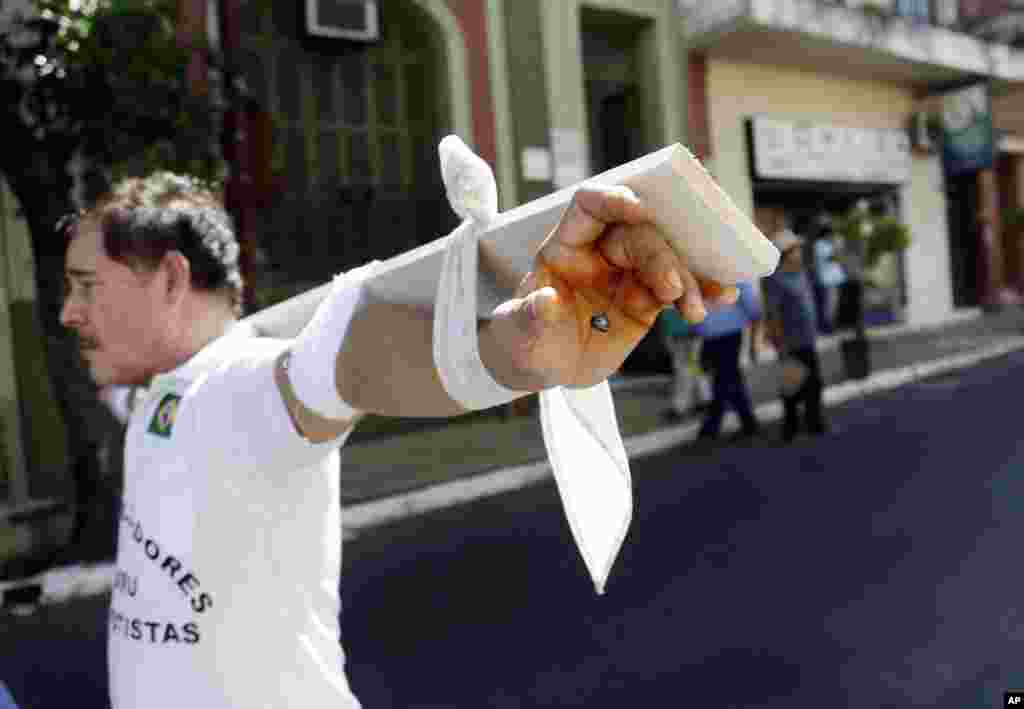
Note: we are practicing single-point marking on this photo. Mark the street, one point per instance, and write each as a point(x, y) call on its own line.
point(878, 566)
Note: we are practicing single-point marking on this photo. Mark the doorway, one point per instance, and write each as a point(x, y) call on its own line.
point(885, 292)
point(620, 88)
point(962, 200)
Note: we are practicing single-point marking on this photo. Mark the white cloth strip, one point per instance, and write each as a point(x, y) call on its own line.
point(312, 360)
point(456, 341)
point(591, 469)
point(581, 432)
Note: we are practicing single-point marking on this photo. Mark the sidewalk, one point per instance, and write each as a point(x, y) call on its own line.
point(403, 467)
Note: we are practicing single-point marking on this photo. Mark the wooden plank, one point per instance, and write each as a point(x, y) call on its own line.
point(703, 224)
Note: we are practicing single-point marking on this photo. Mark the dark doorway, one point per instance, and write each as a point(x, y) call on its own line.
point(962, 201)
point(805, 202)
point(613, 122)
point(618, 125)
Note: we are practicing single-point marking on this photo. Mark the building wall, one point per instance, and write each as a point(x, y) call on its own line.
point(12, 461)
point(737, 91)
point(17, 297)
point(527, 84)
point(660, 55)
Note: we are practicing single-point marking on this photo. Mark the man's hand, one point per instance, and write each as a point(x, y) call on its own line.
point(604, 256)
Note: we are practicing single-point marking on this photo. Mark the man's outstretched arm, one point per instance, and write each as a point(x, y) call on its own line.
point(604, 256)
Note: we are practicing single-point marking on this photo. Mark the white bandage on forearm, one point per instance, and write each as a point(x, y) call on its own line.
point(456, 343)
point(314, 353)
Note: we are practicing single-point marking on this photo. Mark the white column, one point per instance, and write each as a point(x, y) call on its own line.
point(929, 269)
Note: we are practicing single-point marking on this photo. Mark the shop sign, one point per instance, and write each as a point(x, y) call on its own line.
point(803, 150)
point(968, 138)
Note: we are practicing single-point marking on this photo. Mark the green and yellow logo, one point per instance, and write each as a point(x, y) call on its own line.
point(163, 419)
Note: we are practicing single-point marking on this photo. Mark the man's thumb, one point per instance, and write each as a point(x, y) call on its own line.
point(542, 307)
point(527, 317)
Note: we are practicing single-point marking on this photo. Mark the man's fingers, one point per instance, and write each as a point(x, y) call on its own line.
point(643, 251)
point(691, 305)
point(592, 209)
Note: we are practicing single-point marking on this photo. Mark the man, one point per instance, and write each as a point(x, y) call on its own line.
point(688, 382)
point(828, 276)
point(792, 329)
point(722, 332)
point(226, 589)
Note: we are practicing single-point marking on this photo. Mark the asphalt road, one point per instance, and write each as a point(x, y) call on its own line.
point(879, 566)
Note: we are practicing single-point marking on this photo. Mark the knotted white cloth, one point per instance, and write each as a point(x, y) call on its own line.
point(580, 429)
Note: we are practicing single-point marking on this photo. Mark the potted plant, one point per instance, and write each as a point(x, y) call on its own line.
point(867, 237)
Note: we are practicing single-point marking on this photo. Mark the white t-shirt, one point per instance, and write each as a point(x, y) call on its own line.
point(229, 548)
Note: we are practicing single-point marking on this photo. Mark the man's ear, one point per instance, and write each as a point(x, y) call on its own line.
point(179, 276)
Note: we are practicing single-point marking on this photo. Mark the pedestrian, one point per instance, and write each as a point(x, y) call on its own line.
point(722, 332)
point(228, 558)
point(791, 325)
point(689, 384)
point(829, 277)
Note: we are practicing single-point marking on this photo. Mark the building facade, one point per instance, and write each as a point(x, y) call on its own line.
point(813, 104)
point(344, 160)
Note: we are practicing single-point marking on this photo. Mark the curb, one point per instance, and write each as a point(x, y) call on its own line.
point(57, 585)
point(361, 517)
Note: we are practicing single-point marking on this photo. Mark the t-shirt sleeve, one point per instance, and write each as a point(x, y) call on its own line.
point(240, 415)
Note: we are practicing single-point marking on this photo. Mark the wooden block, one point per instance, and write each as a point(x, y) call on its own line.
point(702, 222)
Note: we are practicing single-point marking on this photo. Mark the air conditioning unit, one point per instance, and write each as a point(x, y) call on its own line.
point(922, 139)
point(354, 20)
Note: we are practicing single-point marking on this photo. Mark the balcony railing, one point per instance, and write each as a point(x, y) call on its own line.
point(889, 38)
point(943, 13)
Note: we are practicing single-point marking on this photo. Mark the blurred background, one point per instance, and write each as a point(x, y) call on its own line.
point(893, 129)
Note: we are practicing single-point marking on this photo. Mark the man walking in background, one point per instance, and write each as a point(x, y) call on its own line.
point(688, 382)
point(722, 331)
point(792, 329)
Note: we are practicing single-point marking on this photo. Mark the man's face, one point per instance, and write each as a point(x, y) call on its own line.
point(114, 310)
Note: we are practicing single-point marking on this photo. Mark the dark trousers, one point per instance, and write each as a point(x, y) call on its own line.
point(809, 395)
point(728, 386)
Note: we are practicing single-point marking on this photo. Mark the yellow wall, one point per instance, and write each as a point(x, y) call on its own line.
point(737, 91)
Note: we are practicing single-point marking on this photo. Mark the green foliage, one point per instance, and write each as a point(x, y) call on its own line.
point(878, 235)
point(107, 78)
point(876, 10)
point(890, 236)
